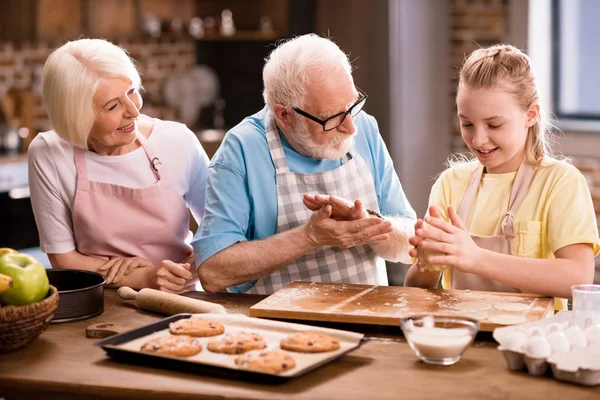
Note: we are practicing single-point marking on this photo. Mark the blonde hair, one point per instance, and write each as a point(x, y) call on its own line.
point(505, 65)
point(70, 79)
point(291, 66)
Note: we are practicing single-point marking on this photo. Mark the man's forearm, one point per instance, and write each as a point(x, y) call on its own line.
point(246, 261)
point(395, 249)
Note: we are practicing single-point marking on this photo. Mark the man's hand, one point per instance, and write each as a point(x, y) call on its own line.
point(342, 209)
point(118, 267)
point(322, 230)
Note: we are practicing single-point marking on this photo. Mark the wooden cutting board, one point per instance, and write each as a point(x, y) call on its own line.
point(385, 305)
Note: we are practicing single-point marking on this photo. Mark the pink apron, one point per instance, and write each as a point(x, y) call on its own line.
point(502, 243)
point(116, 221)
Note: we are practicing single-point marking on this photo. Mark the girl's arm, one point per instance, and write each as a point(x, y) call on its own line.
point(574, 264)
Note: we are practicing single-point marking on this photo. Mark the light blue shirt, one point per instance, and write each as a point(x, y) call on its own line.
point(241, 194)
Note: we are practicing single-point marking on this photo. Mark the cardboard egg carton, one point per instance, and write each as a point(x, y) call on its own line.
point(555, 344)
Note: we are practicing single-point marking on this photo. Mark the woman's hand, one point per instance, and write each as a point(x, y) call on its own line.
point(453, 240)
point(341, 209)
point(173, 277)
point(117, 267)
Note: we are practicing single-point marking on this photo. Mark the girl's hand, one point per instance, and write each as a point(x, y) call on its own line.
point(118, 267)
point(460, 251)
point(415, 241)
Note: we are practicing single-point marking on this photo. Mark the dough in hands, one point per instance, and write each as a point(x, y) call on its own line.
point(424, 254)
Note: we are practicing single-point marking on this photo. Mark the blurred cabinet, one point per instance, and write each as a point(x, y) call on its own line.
point(59, 19)
point(111, 18)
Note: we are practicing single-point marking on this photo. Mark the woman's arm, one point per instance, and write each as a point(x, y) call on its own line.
point(142, 276)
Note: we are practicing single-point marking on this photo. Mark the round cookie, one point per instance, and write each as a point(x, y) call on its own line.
point(273, 362)
point(310, 342)
point(179, 346)
point(196, 327)
point(237, 343)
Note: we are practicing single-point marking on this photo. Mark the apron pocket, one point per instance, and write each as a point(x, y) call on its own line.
point(529, 236)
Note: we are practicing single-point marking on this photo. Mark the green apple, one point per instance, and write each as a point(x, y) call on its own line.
point(30, 282)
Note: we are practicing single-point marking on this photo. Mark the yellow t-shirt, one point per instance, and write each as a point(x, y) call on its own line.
point(556, 212)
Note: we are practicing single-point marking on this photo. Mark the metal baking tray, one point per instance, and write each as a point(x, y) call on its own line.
point(124, 347)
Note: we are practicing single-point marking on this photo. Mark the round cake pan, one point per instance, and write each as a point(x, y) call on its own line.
point(80, 294)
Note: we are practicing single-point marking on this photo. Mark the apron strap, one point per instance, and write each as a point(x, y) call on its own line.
point(518, 192)
point(155, 163)
point(469, 197)
point(520, 186)
point(81, 169)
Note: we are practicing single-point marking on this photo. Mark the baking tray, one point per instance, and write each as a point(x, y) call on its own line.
point(124, 347)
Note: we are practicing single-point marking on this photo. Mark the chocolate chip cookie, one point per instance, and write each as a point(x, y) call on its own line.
point(237, 343)
point(179, 346)
point(309, 342)
point(196, 327)
point(273, 362)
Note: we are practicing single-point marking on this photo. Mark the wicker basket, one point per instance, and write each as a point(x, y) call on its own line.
point(19, 325)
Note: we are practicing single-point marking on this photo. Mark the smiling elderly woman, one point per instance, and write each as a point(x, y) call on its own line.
point(111, 187)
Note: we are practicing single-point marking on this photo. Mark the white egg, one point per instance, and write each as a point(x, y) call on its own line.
point(576, 336)
point(538, 347)
point(554, 327)
point(516, 341)
point(592, 334)
point(559, 343)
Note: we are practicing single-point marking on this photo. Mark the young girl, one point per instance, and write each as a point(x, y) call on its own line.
point(515, 218)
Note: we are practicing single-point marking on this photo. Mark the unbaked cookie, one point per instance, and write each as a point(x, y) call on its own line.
point(310, 342)
point(179, 346)
point(508, 306)
point(273, 362)
point(507, 319)
point(237, 343)
point(197, 327)
point(472, 306)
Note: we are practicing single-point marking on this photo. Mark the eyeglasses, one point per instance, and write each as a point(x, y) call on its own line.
point(338, 119)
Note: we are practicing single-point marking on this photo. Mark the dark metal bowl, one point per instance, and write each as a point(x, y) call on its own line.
point(80, 294)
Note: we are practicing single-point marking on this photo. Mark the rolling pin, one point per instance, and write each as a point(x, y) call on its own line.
point(168, 303)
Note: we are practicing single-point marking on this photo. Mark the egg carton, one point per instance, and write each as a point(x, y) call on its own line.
point(557, 344)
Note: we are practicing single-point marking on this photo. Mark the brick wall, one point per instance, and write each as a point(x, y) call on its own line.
point(480, 23)
point(21, 68)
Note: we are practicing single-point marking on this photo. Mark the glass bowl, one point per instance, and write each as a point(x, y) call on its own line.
point(439, 339)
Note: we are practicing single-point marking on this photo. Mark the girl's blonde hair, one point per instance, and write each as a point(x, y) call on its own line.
point(508, 66)
point(70, 79)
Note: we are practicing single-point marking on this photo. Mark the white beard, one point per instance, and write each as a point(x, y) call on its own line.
point(323, 151)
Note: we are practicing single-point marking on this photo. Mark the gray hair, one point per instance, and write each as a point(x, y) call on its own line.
point(294, 63)
point(70, 79)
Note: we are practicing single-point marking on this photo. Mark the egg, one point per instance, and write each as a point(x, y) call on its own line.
point(538, 347)
point(516, 341)
point(554, 327)
point(559, 343)
point(575, 336)
point(592, 334)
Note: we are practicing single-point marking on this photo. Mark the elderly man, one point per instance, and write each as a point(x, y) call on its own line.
point(297, 191)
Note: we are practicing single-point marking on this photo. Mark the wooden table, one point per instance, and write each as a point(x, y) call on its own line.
point(62, 363)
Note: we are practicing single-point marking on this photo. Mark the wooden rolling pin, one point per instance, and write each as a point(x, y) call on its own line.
point(168, 303)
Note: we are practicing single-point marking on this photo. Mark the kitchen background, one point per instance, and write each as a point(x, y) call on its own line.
point(201, 63)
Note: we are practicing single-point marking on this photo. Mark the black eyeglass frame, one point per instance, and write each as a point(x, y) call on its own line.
point(362, 99)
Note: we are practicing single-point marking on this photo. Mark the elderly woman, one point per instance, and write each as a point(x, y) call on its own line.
point(111, 187)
